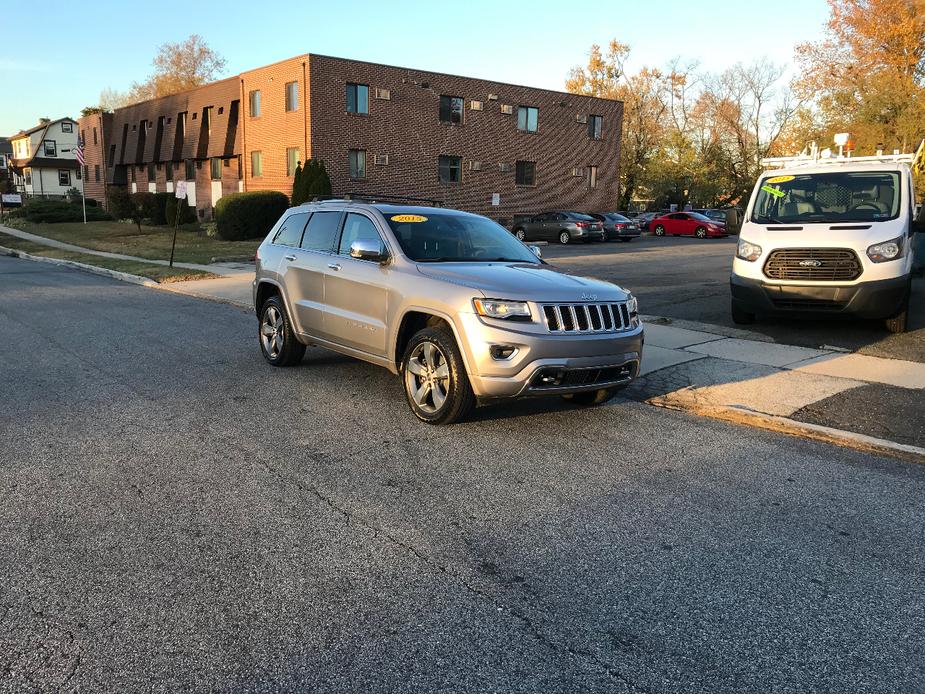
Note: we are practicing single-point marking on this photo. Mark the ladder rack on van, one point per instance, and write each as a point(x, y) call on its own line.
point(811, 156)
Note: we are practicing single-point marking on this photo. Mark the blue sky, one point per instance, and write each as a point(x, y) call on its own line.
point(55, 62)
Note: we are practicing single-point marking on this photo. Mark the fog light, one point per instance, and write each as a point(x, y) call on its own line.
point(501, 352)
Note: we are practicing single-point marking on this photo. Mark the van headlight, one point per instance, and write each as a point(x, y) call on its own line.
point(505, 310)
point(748, 251)
point(888, 250)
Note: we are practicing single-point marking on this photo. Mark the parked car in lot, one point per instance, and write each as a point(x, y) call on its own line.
point(718, 216)
point(687, 224)
point(564, 226)
point(616, 226)
point(450, 301)
point(643, 219)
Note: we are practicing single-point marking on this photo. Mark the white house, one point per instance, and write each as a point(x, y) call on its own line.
point(43, 161)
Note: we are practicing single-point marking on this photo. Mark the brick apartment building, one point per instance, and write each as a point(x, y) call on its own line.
point(484, 146)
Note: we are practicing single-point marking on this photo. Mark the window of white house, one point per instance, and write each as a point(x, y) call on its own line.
point(51, 149)
point(293, 157)
point(64, 178)
point(253, 99)
point(27, 173)
point(256, 164)
point(292, 96)
point(67, 127)
point(527, 118)
point(357, 160)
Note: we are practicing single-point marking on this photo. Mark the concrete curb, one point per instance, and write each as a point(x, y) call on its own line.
point(121, 276)
point(682, 401)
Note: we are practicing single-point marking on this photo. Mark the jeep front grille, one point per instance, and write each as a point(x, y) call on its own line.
point(813, 264)
point(587, 318)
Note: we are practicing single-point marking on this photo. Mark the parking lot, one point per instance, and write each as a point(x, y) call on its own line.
point(688, 279)
point(180, 516)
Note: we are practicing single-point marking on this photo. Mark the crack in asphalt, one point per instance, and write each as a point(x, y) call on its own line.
point(525, 620)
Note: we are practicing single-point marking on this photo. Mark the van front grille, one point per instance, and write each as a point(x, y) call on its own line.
point(813, 264)
point(587, 318)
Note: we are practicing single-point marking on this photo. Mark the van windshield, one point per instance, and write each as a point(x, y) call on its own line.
point(838, 196)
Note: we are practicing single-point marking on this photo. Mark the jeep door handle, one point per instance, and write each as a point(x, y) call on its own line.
point(289, 257)
point(334, 266)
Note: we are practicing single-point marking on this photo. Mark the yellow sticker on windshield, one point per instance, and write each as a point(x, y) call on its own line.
point(408, 218)
point(779, 179)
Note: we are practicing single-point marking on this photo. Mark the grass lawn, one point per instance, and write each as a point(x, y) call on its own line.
point(152, 242)
point(158, 273)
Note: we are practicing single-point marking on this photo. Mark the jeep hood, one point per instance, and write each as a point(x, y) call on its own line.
point(522, 281)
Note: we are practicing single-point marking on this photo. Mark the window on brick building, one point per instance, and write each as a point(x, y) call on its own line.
point(132, 169)
point(112, 155)
point(181, 126)
point(451, 109)
point(592, 177)
point(190, 170)
point(527, 118)
point(253, 100)
point(449, 169)
point(292, 96)
point(152, 172)
point(357, 161)
point(357, 98)
point(293, 157)
point(94, 135)
point(207, 120)
point(215, 166)
point(96, 172)
point(595, 127)
point(525, 174)
point(256, 164)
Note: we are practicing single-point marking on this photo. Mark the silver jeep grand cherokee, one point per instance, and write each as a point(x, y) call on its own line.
point(450, 301)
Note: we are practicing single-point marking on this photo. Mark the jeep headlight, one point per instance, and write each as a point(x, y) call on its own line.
point(499, 308)
point(888, 250)
point(748, 251)
point(632, 305)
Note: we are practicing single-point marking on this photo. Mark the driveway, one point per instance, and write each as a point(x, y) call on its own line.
point(686, 278)
point(175, 515)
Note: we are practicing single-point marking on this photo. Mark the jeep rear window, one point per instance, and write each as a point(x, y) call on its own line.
point(837, 196)
point(442, 237)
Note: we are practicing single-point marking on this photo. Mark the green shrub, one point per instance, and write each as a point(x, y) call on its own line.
point(187, 213)
point(120, 203)
point(249, 215)
point(56, 211)
point(159, 208)
point(144, 204)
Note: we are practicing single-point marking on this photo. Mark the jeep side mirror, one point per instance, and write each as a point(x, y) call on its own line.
point(368, 249)
point(537, 251)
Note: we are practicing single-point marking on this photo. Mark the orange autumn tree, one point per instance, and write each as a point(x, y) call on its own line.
point(866, 76)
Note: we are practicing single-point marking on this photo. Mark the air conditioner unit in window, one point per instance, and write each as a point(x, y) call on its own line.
point(492, 97)
point(384, 94)
point(507, 108)
point(475, 166)
point(578, 171)
point(381, 159)
point(504, 167)
point(581, 118)
point(475, 105)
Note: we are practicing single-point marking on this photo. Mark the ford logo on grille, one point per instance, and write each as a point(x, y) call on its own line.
point(810, 263)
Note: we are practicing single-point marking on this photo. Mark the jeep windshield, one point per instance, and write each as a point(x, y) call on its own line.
point(438, 237)
point(837, 196)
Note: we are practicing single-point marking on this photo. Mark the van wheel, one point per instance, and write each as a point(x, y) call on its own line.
point(565, 237)
point(590, 398)
point(659, 230)
point(434, 374)
point(520, 234)
point(700, 232)
point(899, 323)
point(278, 342)
point(740, 317)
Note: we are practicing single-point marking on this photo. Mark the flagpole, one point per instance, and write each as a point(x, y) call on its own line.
point(83, 188)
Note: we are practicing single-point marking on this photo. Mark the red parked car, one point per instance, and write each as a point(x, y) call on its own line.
point(687, 224)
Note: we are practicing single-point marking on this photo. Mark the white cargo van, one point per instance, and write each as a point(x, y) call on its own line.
point(828, 237)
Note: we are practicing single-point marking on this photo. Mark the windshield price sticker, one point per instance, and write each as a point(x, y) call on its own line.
point(773, 191)
point(779, 179)
point(414, 218)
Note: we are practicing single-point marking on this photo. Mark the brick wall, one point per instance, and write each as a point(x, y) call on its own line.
point(93, 153)
point(407, 128)
point(275, 129)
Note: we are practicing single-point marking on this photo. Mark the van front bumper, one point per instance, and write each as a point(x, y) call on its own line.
point(868, 300)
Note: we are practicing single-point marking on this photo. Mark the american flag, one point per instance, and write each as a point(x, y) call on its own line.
point(79, 151)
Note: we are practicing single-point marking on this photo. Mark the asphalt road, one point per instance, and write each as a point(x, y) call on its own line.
point(177, 516)
point(688, 278)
